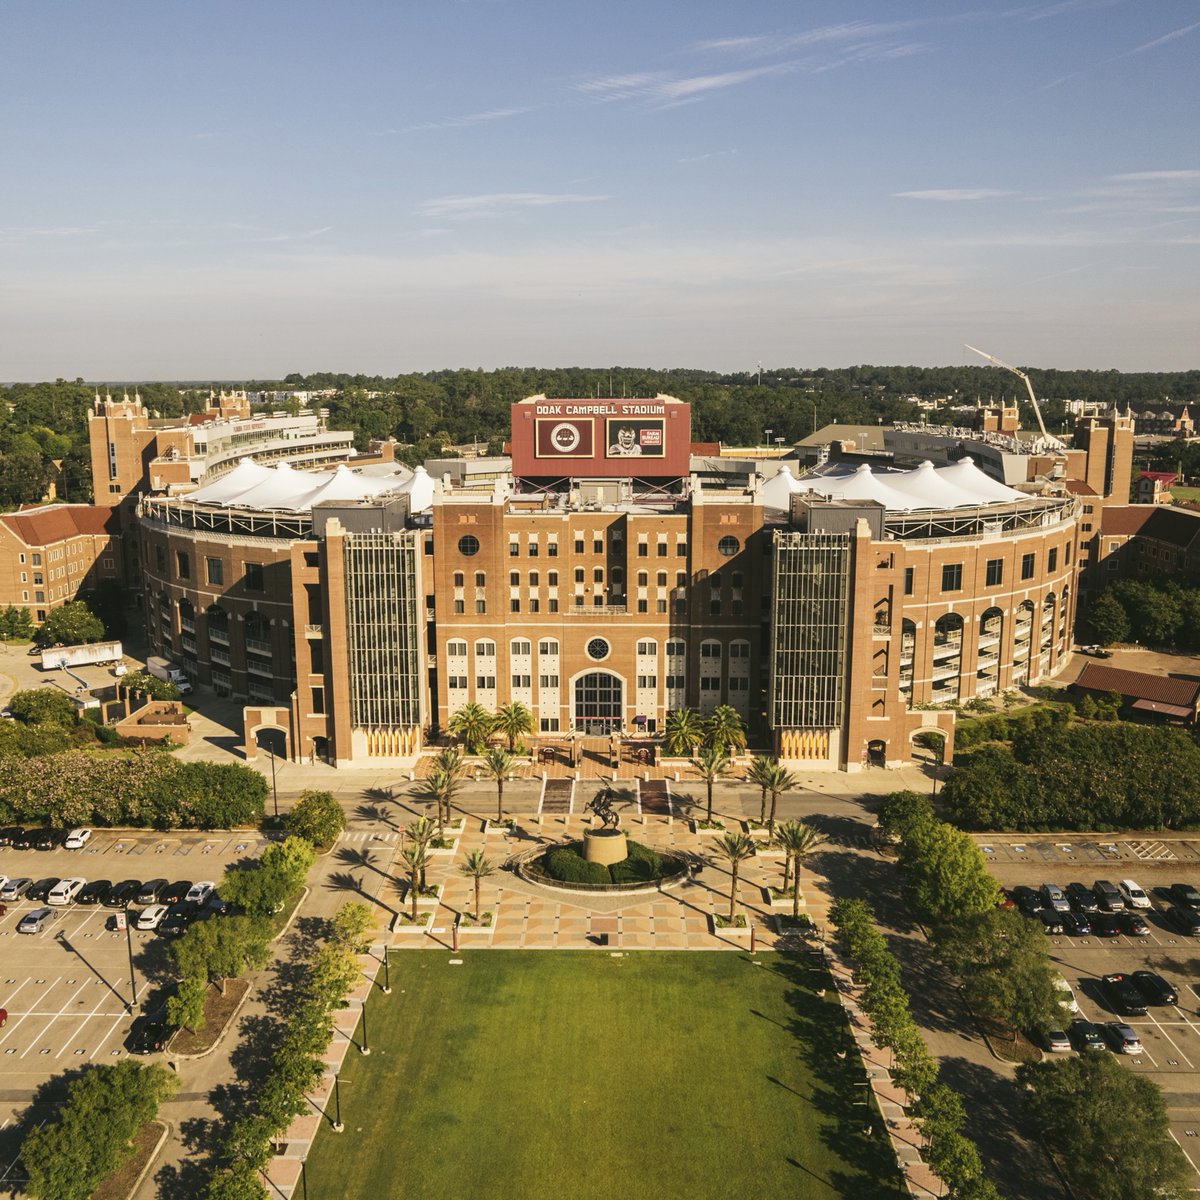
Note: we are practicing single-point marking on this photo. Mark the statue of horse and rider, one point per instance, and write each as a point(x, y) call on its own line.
point(601, 806)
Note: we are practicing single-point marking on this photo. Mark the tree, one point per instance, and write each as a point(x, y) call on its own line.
point(16, 625)
point(421, 832)
point(150, 685)
point(513, 721)
point(185, 1008)
point(711, 764)
point(416, 858)
point(317, 817)
point(473, 724)
point(44, 706)
point(725, 729)
point(477, 868)
point(1107, 619)
point(903, 811)
point(350, 926)
point(497, 764)
point(441, 787)
point(239, 1181)
point(70, 625)
point(779, 780)
point(1083, 1106)
point(759, 774)
point(683, 732)
point(221, 948)
point(798, 841)
point(262, 888)
point(945, 873)
point(735, 848)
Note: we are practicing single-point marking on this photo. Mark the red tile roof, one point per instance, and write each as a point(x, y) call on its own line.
point(1125, 519)
point(1140, 685)
point(1161, 476)
point(1076, 487)
point(44, 525)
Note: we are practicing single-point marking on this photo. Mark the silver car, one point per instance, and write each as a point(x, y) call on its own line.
point(37, 920)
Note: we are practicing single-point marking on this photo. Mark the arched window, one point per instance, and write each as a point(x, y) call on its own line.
point(520, 647)
point(459, 579)
point(485, 649)
point(710, 649)
point(456, 647)
point(548, 648)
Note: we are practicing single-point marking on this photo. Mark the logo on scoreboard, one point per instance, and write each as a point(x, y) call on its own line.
point(559, 438)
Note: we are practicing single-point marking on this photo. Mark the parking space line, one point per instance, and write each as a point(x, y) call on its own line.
point(54, 1018)
point(1186, 1155)
point(104, 1037)
point(8, 1170)
point(86, 1019)
point(1170, 1039)
point(20, 1019)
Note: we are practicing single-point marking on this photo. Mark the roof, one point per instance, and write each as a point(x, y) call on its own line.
point(1076, 487)
point(1159, 476)
point(1177, 526)
point(43, 525)
point(1159, 689)
point(865, 437)
point(1166, 710)
point(282, 487)
point(1124, 520)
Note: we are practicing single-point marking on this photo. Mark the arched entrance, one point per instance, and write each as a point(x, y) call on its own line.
point(599, 704)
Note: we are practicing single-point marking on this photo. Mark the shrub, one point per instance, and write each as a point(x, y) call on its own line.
point(318, 817)
point(569, 866)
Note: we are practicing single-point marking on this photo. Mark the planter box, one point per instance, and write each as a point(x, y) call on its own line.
point(696, 829)
point(781, 902)
point(729, 930)
point(479, 931)
point(754, 830)
point(501, 827)
point(769, 850)
point(421, 926)
point(444, 852)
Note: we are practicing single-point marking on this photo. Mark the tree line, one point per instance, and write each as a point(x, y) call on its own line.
point(1154, 612)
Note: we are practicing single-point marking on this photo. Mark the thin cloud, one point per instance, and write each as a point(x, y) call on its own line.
point(491, 204)
point(785, 43)
point(1154, 43)
point(951, 195)
point(479, 118)
point(1154, 176)
point(308, 235)
point(663, 88)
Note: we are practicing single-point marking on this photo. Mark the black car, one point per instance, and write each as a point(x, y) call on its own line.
point(1026, 899)
point(95, 892)
point(179, 917)
point(23, 839)
point(1154, 988)
point(42, 888)
point(1051, 920)
point(9, 832)
point(1132, 924)
point(1076, 924)
point(1087, 1035)
point(1082, 898)
point(1107, 925)
point(1185, 919)
point(120, 894)
point(174, 892)
point(47, 839)
point(147, 1036)
point(150, 891)
point(1124, 995)
point(1185, 894)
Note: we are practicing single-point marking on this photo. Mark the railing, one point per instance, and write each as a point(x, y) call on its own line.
point(882, 630)
point(218, 656)
point(596, 610)
point(260, 668)
point(257, 646)
point(313, 631)
point(217, 634)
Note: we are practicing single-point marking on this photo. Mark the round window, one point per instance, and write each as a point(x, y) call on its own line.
point(728, 546)
point(468, 545)
point(597, 648)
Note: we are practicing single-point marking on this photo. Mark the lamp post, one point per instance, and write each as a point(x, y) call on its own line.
point(364, 1049)
point(338, 1127)
point(132, 976)
point(274, 790)
point(814, 404)
point(387, 974)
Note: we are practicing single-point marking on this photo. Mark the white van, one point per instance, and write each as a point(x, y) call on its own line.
point(65, 890)
point(1066, 995)
point(1133, 894)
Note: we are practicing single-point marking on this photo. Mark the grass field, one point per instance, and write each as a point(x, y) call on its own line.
point(577, 1075)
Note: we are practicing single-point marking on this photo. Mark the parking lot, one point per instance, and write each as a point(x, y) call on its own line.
point(1170, 1034)
point(67, 989)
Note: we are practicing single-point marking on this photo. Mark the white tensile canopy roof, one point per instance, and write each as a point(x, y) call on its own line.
point(282, 487)
point(962, 485)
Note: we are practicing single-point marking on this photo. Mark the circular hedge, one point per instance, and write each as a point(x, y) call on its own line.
point(568, 865)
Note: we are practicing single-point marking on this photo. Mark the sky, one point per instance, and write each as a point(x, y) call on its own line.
point(241, 190)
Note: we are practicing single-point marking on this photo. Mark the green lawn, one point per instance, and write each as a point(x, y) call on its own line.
point(576, 1075)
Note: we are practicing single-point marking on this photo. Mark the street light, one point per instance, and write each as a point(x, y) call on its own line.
point(387, 974)
point(132, 976)
point(274, 790)
point(364, 1049)
point(338, 1127)
point(814, 404)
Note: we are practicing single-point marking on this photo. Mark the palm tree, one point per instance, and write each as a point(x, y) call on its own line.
point(441, 786)
point(473, 724)
point(684, 731)
point(477, 867)
point(513, 720)
point(735, 848)
point(421, 832)
point(759, 774)
point(416, 858)
point(798, 841)
point(711, 763)
point(451, 762)
point(781, 780)
point(497, 764)
point(726, 729)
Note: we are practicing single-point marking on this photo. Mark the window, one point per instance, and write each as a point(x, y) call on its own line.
point(952, 577)
point(1067, 553)
point(213, 570)
point(318, 700)
point(598, 600)
point(737, 579)
point(714, 606)
point(650, 649)
point(579, 574)
point(598, 546)
point(520, 646)
point(548, 681)
point(254, 577)
point(521, 681)
point(662, 549)
point(468, 545)
point(514, 605)
point(535, 604)
point(643, 606)
point(681, 549)
point(481, 606)
point(549, 724)
point(643, 578)
point(681, 579)
point(647, 681)
point(485, 683)
point(549, 646)
point(597, 649)
point(37, 560)
point(514, 578)
point(675, 681)
point(459, 606)
point(485, 649)
point(710, 685)
point(1052, 559)
point(480, 579)
point(459, 579)
point(728, 546)
point(183, 566)
point(552, 552)
point(532, 549)
point(676, 649)
point(908, 581)
point(739, 649)
point(597, 574)
point(739, 684)
point(458, 682)
point(160, 559)
point(616, 575)
point(533, 579)
point(661, 579)
point(1026, 566)
point(710, 649)
point(643, 550)
point(995, 572)
point(552, 604)
point(579, 545)
point(456, 647)
point(312, 558)
point(552, 578)
point(514, 548)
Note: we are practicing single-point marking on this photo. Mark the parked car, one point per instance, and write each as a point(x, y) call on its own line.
point(1124, 995)
point(1123, 1038)
point(1154, 988)
point(46, 839)
point(1132, 924)
point(23, 839)
point(174, 892)
point(147, 1036)
point(120, 894)
point(95, 892)
point(178, 918)
point(1184, 893)
point(1107, 896)
point(1185, 918)
point(1026, 899)
point(1133, 894)
point(8, 833)
point(77, 839)
point(149, 918)
point(199, 893)
point(37, 920)
point(1087, 1035)
point(1076, 924)
point(42, 888)
point(150, 892)
point(1082, 898)
point(65, 890)
point(1051, 921)
point(15, 888)
point(1056, 1041)
point(1107, 925)
point(1095, 652)
point(1054, 898)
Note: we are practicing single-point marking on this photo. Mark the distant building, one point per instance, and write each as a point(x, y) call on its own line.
point(1144, 693)
point(1154, 487)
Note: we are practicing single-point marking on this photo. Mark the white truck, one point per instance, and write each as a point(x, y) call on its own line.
point(168, 672)
point(81, 656)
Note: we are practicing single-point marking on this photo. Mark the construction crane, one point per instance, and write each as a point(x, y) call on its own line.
point(1037, 412)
